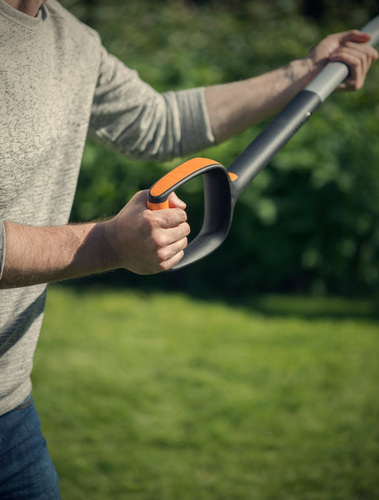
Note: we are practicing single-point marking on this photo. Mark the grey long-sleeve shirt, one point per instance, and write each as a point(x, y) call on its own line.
point(57, 84)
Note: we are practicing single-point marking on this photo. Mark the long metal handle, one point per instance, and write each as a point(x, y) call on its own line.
point(222, 187)
point(280, 130)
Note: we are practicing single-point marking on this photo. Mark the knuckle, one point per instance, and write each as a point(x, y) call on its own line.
point(168, 264)
point(185, 217)
point(180, 215)
point(164, 266)
point(161, 254)
point(184, 244)
point(148, 218)
point(186, 228)
point(159, 240)
point(160, 257)
point(175, 217)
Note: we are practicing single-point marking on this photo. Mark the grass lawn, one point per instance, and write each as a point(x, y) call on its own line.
point(164, 397)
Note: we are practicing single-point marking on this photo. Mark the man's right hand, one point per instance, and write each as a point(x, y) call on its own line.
point(145, 241)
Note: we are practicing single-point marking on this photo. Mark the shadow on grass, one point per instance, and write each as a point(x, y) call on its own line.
point(270, 305)
point(314, 307)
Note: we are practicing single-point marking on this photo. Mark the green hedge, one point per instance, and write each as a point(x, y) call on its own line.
point(309, 221)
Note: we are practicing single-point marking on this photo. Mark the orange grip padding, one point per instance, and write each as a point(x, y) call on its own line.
point(233, 177)
point(179, 173)
point(158, 206)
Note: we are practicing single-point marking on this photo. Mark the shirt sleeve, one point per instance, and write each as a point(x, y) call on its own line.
point(130, 116)
point(2, 247)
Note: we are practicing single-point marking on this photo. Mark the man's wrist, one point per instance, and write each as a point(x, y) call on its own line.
point(303, 71)
point(104, 238)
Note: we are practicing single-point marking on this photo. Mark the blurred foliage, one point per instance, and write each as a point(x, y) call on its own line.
point(309, 221)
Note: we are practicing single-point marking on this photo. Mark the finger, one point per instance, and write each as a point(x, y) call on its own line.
point(164, 219)
point(179, 232)
point(176, 202)
point(165, 237)
point(355, 79)
point(141, 196)
point(345, 36)
point(362, 49)
point(354, 36)
point(170, 251)
point(169, 263)
point(171, 217)
point(367, 53)
point(351, 57)
point(358, 62)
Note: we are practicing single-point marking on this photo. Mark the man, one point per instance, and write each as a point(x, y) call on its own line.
point(57, 85)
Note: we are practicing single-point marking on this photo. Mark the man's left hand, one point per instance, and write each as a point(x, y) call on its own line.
point(350, 48)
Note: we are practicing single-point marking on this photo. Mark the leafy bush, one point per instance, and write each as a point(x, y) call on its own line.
point(309, 221)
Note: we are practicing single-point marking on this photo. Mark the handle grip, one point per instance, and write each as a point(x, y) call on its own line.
point(218, 203)
point(159, 192)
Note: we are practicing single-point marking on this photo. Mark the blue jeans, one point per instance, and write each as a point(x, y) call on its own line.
point(26, 469)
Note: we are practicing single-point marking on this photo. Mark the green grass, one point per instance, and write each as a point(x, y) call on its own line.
point(164, 397)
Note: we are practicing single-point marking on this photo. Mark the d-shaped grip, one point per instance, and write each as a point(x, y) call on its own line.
point(218, 204)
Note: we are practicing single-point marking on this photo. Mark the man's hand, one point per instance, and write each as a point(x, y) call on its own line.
point(350, 48)
point(145, 241)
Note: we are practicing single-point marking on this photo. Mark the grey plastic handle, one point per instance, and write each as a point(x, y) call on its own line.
point(335, 73)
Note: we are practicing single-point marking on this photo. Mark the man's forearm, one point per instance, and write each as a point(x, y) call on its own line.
point(138, 239)
point(36, 255)
point(237, 106)
point(234, 107)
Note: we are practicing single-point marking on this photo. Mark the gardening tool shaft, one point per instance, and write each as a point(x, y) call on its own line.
point(280, 130)
point(221, 186)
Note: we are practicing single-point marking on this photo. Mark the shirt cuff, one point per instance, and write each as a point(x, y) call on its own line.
point(196, 131)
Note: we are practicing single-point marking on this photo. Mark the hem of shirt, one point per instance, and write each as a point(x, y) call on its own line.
point(15, 398)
